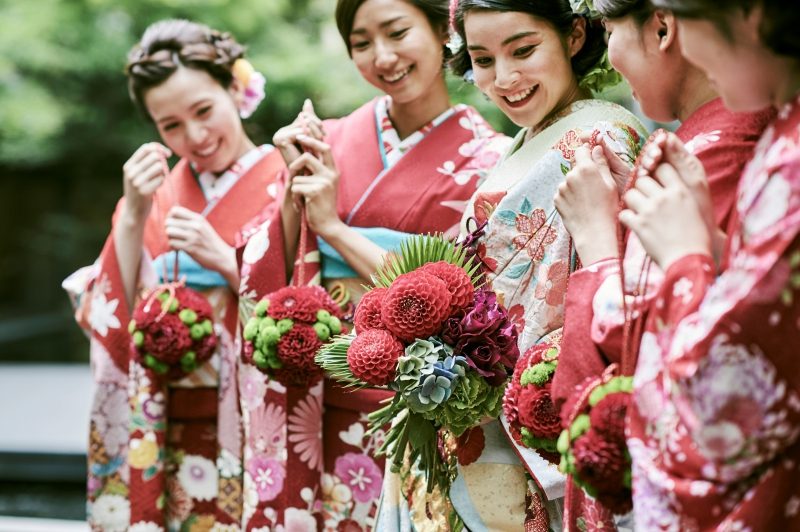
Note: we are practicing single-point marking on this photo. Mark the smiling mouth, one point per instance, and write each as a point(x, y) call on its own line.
point(208, 151)
point(522, 97)
point(397, 76)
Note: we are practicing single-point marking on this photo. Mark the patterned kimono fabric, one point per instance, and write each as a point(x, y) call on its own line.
point(593, 332)
point(526, 252)
point(168, 456)
point(714, 428)
point(308, 462)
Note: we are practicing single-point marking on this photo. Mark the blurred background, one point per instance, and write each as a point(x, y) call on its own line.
point(66, 128)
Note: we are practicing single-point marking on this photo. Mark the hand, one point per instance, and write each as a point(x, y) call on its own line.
point(190, 232)
point(620, 170)
point(142, 174)
point(307, 123)
point(670, 212)
point(588, 202)
point(315, 181)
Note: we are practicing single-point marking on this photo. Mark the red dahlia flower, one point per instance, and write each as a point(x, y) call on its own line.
point(368, 311)
point(415, 306)
point(458, 283)
point(373, 355)
point(608, 416)
point(537, 413)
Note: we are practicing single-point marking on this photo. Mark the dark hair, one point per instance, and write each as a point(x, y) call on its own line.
point(639, 10)
point(780, 19)
point(169, 44)
point(556, 12)
point(436, 11)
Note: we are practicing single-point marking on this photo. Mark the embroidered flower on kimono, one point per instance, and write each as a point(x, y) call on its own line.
point(102, 313)
point(485, 204)
point(359, 472)
point(252, 385)
point(348, 525)
point(268, 476)
point(179, 504)
point(111, 513)
point(536, 234)
point(146, 526)
point(297, 520)
point(305, 428)
point(198, 476)
point(111, 418)
point(368, 311)
point(568, 144)
point(228, 465)
point(143, 452)
point(553, 287)
point(267, 430)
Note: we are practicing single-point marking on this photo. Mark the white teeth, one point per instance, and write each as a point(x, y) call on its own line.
point(520, 95)
point(397, 76)
point(208, 151)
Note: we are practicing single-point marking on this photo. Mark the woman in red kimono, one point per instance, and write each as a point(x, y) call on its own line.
point(714, 427)
point(404, 163)
point(644, 46)
point(180, 465)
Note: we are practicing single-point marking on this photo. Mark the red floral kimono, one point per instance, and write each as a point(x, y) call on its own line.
point(308, 462)
point(593, 330)
point(714, 428)
point(169, 456)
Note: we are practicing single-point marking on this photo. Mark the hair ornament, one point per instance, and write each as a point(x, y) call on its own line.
point(252, 82)
point(584, 8)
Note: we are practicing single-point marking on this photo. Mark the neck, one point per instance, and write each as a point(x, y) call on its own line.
point(788, 86)
point(573, 95)
point(409, 117)
point(694, 92)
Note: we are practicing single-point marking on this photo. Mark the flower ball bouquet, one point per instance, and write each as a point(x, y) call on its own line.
point(428, 331)
point(172, 330)
point(532, 417)
point(593, 448)
point(286, 329)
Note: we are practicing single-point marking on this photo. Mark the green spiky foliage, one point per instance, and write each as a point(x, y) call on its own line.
point(421, 249)
point(332, 357)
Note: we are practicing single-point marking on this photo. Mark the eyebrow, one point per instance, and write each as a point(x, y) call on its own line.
point(195, 105)
point(509, 40)
point(382, 25)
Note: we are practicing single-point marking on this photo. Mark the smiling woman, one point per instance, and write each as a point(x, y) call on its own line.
point(404, 163)
point(537, 61)
point(168, 454)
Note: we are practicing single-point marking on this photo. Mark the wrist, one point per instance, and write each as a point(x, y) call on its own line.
point(667, 260)
point(601, 244)
point(331, 230)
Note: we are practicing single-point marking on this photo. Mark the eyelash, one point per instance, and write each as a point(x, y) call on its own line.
point(396, 35)
point(519, 53)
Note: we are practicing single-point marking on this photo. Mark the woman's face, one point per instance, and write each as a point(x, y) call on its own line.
point(522, 63)
point(396, 50)
point(741, 69)
point(634, 52)
point(198, 119)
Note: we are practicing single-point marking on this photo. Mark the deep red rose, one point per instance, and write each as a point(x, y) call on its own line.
point(608, 416)
point(458, 283)
point(368, 311)
point(451, 329)
point(372, 356)
point(536, 411)
point(470, 445)
point(415, 306)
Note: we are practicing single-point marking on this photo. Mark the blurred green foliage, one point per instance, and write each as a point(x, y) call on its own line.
point(67, 126)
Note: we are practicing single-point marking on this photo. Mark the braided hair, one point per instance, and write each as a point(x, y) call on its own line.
point(170, 44)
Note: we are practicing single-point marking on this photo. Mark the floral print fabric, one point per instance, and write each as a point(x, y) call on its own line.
point(714, 432)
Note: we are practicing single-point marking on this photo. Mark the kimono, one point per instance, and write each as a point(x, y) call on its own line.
point(168, 456)
point(593, 333)
point(527, 256)
point(308, 462)
point(715, 419)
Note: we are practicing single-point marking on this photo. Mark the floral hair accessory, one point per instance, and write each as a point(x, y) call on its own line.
point(584, 8)
point(253, 83)
point(601, 77)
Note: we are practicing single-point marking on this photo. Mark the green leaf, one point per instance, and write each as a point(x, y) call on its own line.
point(421, 432)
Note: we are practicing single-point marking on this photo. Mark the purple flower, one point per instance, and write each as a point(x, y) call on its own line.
point(361, 475)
